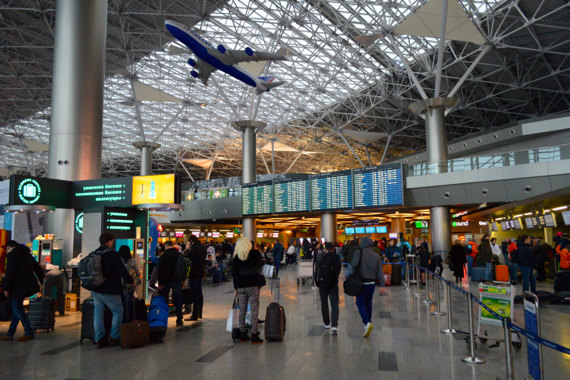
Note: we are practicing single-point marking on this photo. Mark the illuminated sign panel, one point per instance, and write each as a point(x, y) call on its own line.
point(101, 192)
point(292, 195)
point(378, 186)
point(257, 198)
point(121, 222)
point(331, 191)
point(38, 191)
point(154, 189)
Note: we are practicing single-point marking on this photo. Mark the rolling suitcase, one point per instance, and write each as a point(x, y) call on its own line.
point(87, 315)
point(396, 274)
point(275, 322)
point(158, 319)
point(478, 274)
point(562, 281)
point(502, 273)
point(41, 313)
point(387, 268)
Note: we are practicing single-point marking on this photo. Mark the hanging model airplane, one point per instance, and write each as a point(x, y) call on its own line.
point(210, 59)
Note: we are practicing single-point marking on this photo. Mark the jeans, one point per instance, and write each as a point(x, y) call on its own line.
point(527, 276)
point(364, 303)
point(176, 297)
point(403, 266)
point(277, 260)
point(19, 314)
point(489, 271)
point(128, 300)
point(469, 264)
point(114, 303)
point(196, 290)
point(513, 271)
point(331, 294)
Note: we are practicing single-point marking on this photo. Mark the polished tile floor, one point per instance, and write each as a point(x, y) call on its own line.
point(406, 343)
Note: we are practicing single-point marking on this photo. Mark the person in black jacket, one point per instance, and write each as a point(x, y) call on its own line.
point(527, 261)
point(109, 293)
point(328, 269)
point(246, 268)
point(167, 281)
point(23, 278)
point(197, 258)
point(458, 260)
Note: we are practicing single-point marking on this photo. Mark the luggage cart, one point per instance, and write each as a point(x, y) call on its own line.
point(305, 273)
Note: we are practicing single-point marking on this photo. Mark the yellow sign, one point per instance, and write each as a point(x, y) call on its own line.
point(153, 189)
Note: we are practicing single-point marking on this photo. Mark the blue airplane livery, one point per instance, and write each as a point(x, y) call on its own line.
point(210, 59)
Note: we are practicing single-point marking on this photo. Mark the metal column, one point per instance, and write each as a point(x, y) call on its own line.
point(77, 102)
point(146, 149)
point(248, 130)
point(328, 227)
point(433, 110)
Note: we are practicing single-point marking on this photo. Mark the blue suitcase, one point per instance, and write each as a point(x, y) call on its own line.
point(478, 274)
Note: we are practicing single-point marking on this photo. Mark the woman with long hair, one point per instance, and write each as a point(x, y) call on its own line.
point(128, 295)
point(246, 270)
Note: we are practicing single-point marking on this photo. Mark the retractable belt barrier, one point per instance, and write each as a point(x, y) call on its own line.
point(511, 325)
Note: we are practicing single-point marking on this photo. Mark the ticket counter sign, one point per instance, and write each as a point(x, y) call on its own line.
point(154, 189)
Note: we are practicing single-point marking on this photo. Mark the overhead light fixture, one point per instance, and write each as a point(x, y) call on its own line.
point(499, 218)
point(518, 216)
point(560, 208)
point(545, 211)
point(527, 213)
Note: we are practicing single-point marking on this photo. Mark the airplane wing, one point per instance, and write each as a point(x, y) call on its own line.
point(232, 57)
point(204, 70)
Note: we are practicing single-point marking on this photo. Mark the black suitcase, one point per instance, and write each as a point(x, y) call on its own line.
point(5, 308)
point(275, 322)
point(41, 313)
point(396, 275)
point(87, 327)
point(157, 334)
point(562, 281)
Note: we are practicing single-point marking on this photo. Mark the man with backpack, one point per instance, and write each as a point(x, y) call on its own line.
point(169, 263)
point(102, 275)
point(328, 269)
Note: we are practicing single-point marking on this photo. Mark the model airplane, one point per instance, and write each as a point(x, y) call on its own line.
point(210, 59)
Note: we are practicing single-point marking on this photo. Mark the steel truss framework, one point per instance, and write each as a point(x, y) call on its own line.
point(335, 83)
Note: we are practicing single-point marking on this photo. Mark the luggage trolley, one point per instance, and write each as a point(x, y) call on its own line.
point(305, 273)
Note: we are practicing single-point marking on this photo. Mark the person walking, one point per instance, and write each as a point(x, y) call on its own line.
point(246, 268)
point(370, 269)
point(277, 253)
point(197, 258)
point(22, 275)
point(328, 269)
point(109, 293)
point(167, 279)
point(458, 260)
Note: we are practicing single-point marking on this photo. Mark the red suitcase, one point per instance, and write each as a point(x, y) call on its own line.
point(502, 273)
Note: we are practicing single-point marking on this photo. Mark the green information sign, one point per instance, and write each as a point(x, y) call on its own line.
point(102, 192)
point(121, 222)
point(39, 191)
point(79, 223)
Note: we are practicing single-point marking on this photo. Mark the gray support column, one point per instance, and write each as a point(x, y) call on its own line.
point(248, 129)
point(77, 102)
point(433, 110)
point(328, 227)
point(146, 149)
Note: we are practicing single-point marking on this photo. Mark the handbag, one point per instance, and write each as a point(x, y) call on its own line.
point(353, 285)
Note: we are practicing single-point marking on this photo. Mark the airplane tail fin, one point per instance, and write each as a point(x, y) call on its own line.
point(268, 82)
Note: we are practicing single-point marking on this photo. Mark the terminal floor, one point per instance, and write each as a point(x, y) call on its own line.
point(406, 343)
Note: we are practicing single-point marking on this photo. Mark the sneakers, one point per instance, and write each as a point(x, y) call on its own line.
point(334, 331)
point(255, 339)
point(25, 338)
point(368, 329)
point(326, 327)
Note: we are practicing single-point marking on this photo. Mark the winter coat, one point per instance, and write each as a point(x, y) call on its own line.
point(485, 254)
point(458, 259)
point(23, 273)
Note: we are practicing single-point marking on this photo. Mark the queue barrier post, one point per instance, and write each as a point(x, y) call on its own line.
point(449, 330)
point(509, 360)
point(427, 301)
point(471, 359)
point(407, 271)
point(438, 312)
point(417, 293)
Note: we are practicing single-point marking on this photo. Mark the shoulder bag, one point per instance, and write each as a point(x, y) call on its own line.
point(353, 284)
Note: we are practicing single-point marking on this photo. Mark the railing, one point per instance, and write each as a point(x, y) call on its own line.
point(532, 156)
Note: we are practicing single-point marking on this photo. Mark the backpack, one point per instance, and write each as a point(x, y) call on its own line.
point(91, 269)
point(325, 271)
point(181, 271)
point(405, 250)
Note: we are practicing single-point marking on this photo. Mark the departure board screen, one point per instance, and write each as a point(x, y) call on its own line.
point(378, 186)
point(292, 195)
point(330, 191)
point(257, 198)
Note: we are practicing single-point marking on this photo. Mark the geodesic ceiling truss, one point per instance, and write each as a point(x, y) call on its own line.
point(345, 75)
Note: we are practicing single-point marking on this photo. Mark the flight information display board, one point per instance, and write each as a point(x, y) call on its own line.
point(292, 195)
point(378, 186)
point(257, 198)
point(331, 191)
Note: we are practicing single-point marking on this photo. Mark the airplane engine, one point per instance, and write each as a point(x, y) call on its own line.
point(191, 62)
point(222, 49)
point(194, 73)
point(249, 51)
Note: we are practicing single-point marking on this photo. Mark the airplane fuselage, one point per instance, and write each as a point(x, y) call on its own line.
point(200, 48)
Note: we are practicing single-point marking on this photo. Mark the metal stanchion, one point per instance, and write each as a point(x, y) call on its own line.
point(438, 311)
point(471, 359)
point(409, 259)
point(449, 330)
point(509, 360)
point(407, 271)
point(417, 293)
point(427, 301)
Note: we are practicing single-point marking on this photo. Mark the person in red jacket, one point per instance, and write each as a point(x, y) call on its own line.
point(471, 252)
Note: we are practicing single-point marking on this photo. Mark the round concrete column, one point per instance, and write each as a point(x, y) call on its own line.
point(328, 227)
point(248, 129)
point(433, 111)
point(77, 102)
